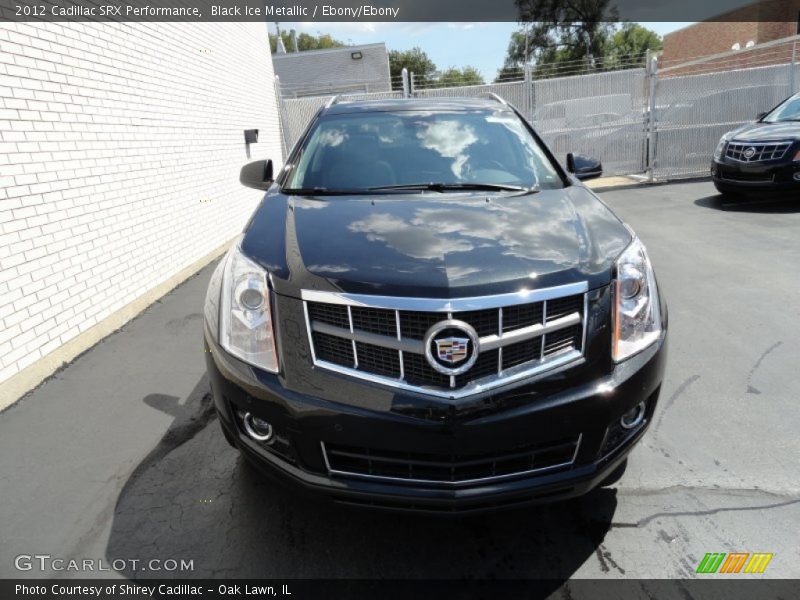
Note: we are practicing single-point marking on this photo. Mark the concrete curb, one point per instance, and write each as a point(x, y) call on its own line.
point(33, 375)
point(609, 184)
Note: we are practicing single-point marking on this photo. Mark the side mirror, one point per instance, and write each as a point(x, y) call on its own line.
point(761, 115)
point(584, 167)
point(257, 175)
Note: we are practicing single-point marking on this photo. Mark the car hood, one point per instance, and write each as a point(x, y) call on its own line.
point(763, 132)
point(435, 245)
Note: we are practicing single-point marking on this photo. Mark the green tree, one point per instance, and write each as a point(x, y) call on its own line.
point(305, 41)
point(567, 38)
point(629, 45)
point(454, 76)
point(414, 60)
point(508, 73)
point(562, 31)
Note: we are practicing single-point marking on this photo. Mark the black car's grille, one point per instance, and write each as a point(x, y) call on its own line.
point(333, 349)
point(740, 176)
point(419, 372)
point(377, 359)
point(449, 469)
point(756, 152)
point(332, 314)
point(563, 340)
point(561, 307)
point(375, 320)
point(389, 343)
point(415, 325)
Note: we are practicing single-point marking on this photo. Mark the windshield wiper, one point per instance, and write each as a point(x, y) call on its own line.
point(322, 191)
point(444, 187)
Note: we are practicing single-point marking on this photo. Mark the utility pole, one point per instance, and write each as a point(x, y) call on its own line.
point(588, 41)
point(527, 75)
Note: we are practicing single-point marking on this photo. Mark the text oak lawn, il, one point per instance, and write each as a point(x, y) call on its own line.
point(325, 10)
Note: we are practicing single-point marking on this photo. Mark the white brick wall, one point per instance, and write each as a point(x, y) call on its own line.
point(120, 147)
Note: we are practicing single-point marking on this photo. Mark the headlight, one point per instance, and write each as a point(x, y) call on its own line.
point(637, 313)
point(721, 146)
point(245, 328)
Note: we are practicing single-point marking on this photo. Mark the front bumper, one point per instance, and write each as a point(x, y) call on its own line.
point(770, 176)
point(548, 409)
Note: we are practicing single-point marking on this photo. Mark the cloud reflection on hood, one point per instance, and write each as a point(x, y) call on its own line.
point(438, 230)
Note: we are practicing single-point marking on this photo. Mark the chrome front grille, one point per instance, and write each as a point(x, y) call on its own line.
point(380, 338)
point(756, 152)
point(450, 469)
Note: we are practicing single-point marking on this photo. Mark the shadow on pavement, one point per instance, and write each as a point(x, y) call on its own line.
point(767, 205)
point(194, 498)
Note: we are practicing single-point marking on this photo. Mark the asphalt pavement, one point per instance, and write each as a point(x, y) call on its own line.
point(119, 456)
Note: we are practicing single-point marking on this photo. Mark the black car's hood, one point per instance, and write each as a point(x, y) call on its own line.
point(435, 245)
point(762, 132)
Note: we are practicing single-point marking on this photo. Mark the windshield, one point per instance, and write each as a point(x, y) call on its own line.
point(788, 111)
point(364, 151)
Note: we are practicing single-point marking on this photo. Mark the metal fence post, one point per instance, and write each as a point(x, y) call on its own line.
point(281, 117)
point(528, 94)
point(404, 75)
point(411, 84)
point(652, 133)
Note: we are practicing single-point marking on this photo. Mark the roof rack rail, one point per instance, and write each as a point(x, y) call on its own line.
point(494, 96)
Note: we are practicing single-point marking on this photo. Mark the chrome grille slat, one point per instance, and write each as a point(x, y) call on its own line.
point(500, 333)
point(558, 339)
point(355, 352)
point(762, 151)
point(399, 339)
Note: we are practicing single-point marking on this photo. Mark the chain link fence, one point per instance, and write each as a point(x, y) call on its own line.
point(638, 120)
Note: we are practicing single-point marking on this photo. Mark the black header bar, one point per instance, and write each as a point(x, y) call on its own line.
point(383, 10)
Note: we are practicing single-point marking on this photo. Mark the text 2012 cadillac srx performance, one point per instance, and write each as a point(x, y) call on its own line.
point(426, 312)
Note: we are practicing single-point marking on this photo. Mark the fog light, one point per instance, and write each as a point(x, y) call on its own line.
point(258, 429)
point(797, 176)
point(633, 417)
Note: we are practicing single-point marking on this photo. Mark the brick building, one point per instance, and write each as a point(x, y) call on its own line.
point(120, 149)
point(742, 29)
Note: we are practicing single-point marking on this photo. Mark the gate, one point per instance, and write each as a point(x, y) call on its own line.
point(660, 120)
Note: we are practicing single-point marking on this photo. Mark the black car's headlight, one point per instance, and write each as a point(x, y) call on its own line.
point(245, 326)
point(637, 311)
point(721, 146)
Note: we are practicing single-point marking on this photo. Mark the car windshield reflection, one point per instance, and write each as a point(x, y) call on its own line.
point(427, 150)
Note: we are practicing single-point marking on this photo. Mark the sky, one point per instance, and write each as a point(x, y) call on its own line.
point(481, 45)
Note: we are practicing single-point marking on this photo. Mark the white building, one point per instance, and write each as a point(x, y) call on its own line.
point(120, 149)
point(351, 69)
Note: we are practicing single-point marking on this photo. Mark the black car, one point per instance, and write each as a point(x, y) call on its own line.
point(427, 312)
point(763, 156)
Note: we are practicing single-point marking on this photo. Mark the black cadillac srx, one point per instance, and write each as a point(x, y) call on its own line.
point(761, 157)
point(426, 312)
